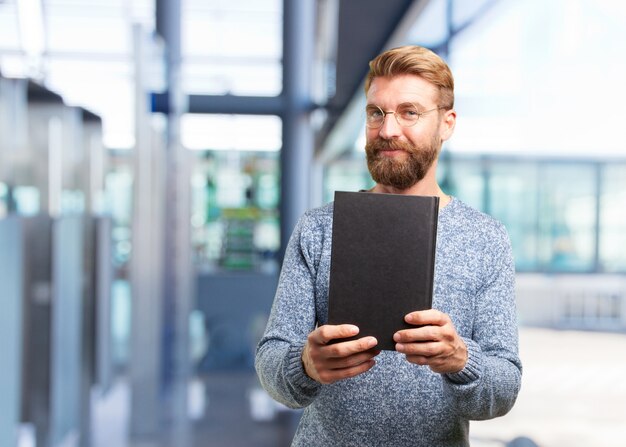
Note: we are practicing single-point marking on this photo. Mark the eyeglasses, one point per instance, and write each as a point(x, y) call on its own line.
point(406, 115)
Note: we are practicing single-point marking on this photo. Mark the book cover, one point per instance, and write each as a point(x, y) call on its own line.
point(382, 261)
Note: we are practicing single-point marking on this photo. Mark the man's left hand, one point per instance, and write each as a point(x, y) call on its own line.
point(434, 343)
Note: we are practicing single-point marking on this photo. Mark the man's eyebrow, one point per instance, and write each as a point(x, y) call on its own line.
point(415, 103)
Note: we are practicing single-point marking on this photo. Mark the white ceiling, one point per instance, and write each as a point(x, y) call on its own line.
point(531, 76)
point(229, 46)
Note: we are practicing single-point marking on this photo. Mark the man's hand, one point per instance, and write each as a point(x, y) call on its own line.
point(435, 343)
point(328, 363)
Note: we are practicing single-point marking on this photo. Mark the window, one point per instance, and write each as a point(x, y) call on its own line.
point(613, 219)
point(513, 195)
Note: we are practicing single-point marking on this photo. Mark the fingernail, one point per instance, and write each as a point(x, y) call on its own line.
point(399, 347)
point(372, 342)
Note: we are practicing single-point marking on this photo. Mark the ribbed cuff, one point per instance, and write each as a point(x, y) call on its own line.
point(296, 374)
point(474, 366)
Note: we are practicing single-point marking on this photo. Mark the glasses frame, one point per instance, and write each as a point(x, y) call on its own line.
point(395, 115)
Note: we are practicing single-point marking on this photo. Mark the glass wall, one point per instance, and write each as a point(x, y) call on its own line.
point(567, 217)
point(563, 216)
point(550, 209)
point(513, 196)
point(612, 225)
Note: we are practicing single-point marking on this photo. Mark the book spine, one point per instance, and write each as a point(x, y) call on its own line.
point(433, 245)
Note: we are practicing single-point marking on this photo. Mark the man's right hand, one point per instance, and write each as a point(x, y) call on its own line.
point(328, 363)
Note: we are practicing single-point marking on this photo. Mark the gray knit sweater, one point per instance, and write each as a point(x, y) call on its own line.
point(398, 403)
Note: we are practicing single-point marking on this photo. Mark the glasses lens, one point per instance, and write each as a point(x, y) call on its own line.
point(407, 114)
point(374, 116)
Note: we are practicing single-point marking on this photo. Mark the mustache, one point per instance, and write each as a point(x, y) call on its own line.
point(379, 145)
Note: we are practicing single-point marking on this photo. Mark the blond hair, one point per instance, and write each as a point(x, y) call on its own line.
point(416, 60)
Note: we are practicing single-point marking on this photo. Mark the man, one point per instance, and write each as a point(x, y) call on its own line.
point(460, 361)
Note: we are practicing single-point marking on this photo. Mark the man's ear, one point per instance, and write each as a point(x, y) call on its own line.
point(446, 128)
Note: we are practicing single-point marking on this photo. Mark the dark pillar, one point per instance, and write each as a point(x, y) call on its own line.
point(177, 268)
point(297, 150)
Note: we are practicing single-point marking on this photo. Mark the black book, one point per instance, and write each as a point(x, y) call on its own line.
point(382, 261)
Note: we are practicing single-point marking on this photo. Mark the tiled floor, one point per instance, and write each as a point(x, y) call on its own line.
point(228, 420)
point(573, 394)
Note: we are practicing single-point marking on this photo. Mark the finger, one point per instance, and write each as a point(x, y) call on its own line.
point(352, 360)
point(324, 334)
point(418, 359)
point(333, 375)
point(421, 334)
point(436, 364)
point(424, 317)
point(348, 348)
point(420, 349)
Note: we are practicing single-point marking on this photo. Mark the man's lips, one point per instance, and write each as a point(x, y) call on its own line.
point(391, 152)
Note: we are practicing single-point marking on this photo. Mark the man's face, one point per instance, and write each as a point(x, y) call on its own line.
point(402, 156)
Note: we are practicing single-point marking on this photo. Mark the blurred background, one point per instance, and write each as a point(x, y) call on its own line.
point(156, 154)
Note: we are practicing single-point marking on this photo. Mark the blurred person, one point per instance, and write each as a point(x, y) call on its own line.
point(460, 360)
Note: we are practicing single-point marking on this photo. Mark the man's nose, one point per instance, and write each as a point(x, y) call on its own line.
point(390, 127)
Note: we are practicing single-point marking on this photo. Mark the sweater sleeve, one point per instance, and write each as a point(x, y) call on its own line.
point(278, 357)
point(488, 385)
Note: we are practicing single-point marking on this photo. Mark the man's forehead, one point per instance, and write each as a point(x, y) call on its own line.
point(411, 87)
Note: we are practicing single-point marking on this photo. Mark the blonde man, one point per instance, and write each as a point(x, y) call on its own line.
point(460, 360)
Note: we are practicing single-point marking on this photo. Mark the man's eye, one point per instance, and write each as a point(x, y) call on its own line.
point(408, 112)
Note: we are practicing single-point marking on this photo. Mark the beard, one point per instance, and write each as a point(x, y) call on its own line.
point(400, 174)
